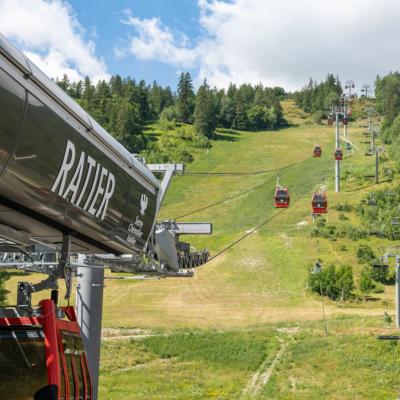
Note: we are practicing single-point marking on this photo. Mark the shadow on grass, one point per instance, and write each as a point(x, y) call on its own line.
point(228, 131)
point(152, 136)
point(225, 138)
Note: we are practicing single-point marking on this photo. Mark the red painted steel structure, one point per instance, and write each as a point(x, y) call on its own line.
point(282, 197)
point(338, 154)
point(319, 203)
point(317, 151)
point(66, 363)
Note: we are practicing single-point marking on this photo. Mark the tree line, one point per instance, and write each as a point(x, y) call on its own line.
point(317, 98)
point(124, 106)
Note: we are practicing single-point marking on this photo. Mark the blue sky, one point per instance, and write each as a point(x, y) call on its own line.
point(104, 18)
point(276, 43)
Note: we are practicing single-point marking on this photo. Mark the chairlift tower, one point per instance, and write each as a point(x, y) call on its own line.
point(365, 89)
point(349, 84)
point(395, 254)
point(337, 162)
point(370, 111)
point(339, 112)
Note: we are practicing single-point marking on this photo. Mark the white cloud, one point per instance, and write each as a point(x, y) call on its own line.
point(153, 40)
point(280, 42)
point(51, 36)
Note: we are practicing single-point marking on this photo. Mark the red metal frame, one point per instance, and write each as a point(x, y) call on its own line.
point(54, 348)
point(278, 202)
point(338, 154)
point(317, 151)
point(317, 206)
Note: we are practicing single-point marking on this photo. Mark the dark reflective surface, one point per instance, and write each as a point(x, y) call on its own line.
point(22, 364)
point(12, 97)
point(38, 154)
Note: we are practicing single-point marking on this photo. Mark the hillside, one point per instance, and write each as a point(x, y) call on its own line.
point(245, 327)
point(262, 278)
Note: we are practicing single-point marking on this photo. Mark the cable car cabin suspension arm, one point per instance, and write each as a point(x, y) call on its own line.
point(62, 271)
point(165, 254)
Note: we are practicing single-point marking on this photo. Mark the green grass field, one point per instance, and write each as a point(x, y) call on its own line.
point(245, 327)
point(282, 361)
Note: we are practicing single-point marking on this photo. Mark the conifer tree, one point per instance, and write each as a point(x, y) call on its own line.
point(185, 100)
point(204, 113)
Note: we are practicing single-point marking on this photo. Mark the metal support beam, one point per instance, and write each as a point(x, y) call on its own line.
point(169, 170)
point(376, 166)
point(188, 228)
point(337, 162)
point(89, 305)
point(337, 138)
point(373, 141)
point(398, 292)
point(166, 167)
point(369, 119)
point(164, 187)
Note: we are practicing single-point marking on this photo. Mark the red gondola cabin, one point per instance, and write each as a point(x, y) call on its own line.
point(282, 198)
point(338, 154)
point(330, 120)
point(317, 151)
point(41, 354)
point(319, 203)
point(345, 121)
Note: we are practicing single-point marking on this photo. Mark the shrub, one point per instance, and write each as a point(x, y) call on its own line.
point(379, 272)
point(169, 114)
point(332, 282)
point(342, 217)
point(184, 132)
point(201, 142)
point(165, 125)
point(344, 281)
point(365, 254)
point(344, 207)
point(367, 285)
point(353, 232)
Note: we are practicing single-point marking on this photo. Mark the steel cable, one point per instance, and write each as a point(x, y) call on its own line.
point(258, 226)
point(237, 194)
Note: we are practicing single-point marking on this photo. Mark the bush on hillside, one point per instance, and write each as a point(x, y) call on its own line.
point(317, 116)
point(335, 283)
point(201, 142)
point(367, 283)
point(333, 232)
point(343, 217)
point(382, 217)
point(365, 254)
point(345, 207)
point(379, 272)
point(169, 114)
point(168, 149)
point(353, 232)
